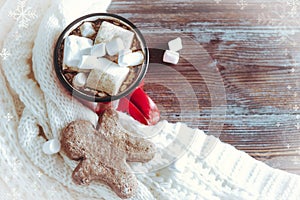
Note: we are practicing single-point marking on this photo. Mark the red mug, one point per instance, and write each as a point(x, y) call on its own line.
point(133, 100)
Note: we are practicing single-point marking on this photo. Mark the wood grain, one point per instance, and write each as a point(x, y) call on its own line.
point(252, 51)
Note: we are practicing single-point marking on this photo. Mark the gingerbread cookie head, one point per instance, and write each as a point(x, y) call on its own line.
point(103, 153)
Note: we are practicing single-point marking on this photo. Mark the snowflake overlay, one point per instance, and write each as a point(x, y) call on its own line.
point(17, 35)
point(283, 18)
point(4, 54)
point(23, 14)
point(242, 4)
point(294, 108)
point(14, 195)
point(294, 4)
point(8, 117)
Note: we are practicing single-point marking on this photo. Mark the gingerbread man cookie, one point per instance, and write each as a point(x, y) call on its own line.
point(103, 153)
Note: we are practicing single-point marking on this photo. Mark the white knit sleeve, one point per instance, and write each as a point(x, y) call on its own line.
point(207, 168)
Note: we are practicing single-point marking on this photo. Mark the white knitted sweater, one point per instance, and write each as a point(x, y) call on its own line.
point(33, 100)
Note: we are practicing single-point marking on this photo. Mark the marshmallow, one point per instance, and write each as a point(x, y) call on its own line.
point(98, 50)
point(171, 57)
point(108, 77)
point(130, 59)
point(87, 29)
point(123, 52)
point(74, 48)
point(114, 46)
point(108, 31)
point(106, 63)
point(121, 56)
point(79, 80)
point(175, 45)
point(89, 62)
point(51, 146)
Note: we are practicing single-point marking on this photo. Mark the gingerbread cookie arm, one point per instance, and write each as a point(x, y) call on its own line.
point(139, 149)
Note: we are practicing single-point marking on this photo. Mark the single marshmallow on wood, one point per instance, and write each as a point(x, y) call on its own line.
point(51, 146)
point(114, 46)
point(87, 29)
point(79, 80)
point(175, 45)
point(108, 77)
point(99, 50)
point(130, 59)
point(74, 48)
point(171, 57)
point(89, 62)
point(108, 31)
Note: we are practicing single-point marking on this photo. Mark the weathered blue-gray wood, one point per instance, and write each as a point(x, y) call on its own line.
point(255, 46)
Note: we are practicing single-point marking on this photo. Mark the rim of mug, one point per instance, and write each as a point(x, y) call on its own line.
point(93, 98)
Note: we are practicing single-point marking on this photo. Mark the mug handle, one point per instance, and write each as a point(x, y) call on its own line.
point(140, 106)
point(137, 104)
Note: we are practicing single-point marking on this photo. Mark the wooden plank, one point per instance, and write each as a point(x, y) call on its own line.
point(254, 50)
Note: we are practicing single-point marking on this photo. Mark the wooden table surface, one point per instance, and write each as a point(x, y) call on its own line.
point(238, 75)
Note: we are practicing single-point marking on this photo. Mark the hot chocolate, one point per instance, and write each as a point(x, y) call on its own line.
point(101, 57)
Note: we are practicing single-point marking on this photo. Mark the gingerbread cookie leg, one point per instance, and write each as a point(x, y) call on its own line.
point(121, 180)
point(81, 174)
